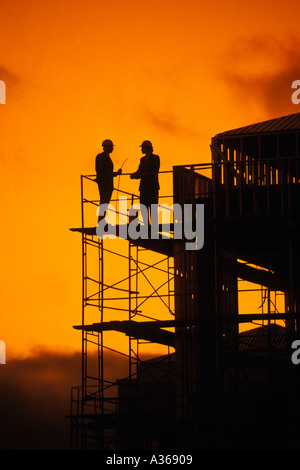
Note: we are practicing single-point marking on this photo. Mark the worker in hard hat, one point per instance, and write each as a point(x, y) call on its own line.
point(105, 174)
point(147, 172)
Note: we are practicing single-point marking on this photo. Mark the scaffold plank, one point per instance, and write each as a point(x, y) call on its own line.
point(162, 244)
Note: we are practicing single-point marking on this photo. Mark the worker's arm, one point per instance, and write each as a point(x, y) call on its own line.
point(137, 174)
point(103, 170)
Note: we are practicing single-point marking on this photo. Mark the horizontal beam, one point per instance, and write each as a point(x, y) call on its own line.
point(257, 276)
point(149, 331)
point(120, 229)
point(126, 325)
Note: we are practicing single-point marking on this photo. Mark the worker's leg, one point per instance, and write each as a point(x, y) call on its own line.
point(105, 197)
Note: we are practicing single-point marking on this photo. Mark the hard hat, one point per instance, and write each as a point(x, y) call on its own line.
point(107, 142)
point(146, 143)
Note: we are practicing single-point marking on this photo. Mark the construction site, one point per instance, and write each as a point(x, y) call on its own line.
point(204, 335)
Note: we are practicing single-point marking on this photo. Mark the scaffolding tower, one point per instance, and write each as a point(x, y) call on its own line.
point(119, 280)
point(202, 369)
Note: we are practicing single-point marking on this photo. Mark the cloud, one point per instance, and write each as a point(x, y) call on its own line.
point(168, 123)
point(7, 76)
point(35, 398)
point(260, 71)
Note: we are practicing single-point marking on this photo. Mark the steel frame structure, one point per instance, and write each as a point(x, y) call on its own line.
point(100, 405)
point(215, 370)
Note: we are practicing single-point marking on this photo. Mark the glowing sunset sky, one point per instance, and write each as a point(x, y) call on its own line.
point(77, 72)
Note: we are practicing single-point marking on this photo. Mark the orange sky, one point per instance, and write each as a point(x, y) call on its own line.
point(77, 72)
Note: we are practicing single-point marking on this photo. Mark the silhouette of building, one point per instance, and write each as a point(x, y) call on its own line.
point(226, 379)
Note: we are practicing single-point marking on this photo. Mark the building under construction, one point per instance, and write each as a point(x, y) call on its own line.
point(204, 335)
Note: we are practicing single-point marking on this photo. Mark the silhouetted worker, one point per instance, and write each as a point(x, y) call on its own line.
point(105, 174)
point(147, 172)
